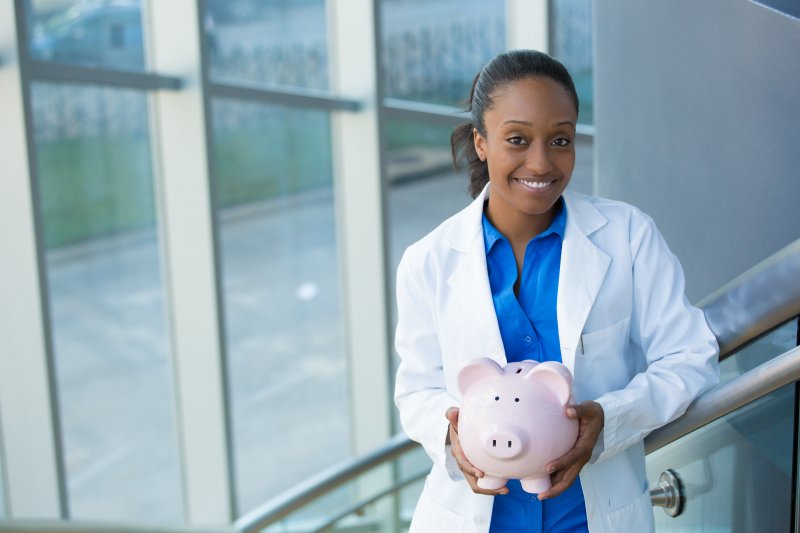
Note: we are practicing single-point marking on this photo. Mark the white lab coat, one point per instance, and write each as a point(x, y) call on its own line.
point(632, 340)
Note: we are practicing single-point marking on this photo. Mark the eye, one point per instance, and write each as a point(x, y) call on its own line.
point(516, 399)
point(497, 398)
point(562, 141)
point(517, 140)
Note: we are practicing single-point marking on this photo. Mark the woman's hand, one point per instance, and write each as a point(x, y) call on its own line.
point(566, 468)
point(470, 472)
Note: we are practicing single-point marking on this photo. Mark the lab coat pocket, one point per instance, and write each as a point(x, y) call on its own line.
point(634, 517)
point(601, 363)
point(432, 516)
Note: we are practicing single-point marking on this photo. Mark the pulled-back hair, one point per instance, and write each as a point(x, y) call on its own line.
point(503, 70)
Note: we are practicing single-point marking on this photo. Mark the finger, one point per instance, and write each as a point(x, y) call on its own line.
point(473, 484)
point(452, 416)
point(565, 461)
point(579, 410)
point(567, 478)
point(461, 459)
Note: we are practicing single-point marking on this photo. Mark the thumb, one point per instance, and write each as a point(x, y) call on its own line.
point(452, 416)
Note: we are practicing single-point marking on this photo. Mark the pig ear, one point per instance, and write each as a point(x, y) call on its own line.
point(477, 370)
point(555, 376)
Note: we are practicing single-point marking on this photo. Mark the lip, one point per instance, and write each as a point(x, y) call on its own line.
point(537, 190)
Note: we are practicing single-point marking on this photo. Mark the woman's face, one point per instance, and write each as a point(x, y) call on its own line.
point(529, 148)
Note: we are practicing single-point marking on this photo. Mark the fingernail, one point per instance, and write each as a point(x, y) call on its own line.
point(542, 498)
point(551, 469)
point(570, 411)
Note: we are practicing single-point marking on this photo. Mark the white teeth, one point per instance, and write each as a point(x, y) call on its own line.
point(536, 184)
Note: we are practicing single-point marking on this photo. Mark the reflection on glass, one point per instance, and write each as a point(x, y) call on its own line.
point(380, 500)
point(107, 305)
point(775, 343)
point(90, 33)
point(432, 49)
point(281, 42)
point(424, 189)
point(288, 376)
point(737, 471)
point(571, 42)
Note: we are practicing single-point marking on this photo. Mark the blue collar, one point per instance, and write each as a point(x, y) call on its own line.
point(491, 235)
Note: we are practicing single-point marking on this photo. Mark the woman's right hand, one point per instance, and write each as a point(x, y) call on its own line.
point(470, 472)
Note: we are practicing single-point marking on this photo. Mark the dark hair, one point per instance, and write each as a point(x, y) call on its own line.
point(504, 69)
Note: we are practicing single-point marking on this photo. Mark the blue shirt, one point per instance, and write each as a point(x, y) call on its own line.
point(529, 329)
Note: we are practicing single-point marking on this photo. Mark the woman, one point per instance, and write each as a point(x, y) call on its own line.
point(530, 270)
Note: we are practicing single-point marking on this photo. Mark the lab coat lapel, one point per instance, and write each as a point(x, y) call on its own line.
point(583, 268)
point(470, 281)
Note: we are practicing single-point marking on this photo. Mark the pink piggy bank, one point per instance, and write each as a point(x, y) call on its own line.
point(513, 421)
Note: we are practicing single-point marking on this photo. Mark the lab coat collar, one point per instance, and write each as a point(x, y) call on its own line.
point(583, 268)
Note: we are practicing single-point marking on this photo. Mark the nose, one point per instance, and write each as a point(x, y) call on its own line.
point(538, 159)
point(504, 444)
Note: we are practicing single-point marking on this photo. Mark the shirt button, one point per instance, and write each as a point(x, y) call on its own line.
point(527, 338)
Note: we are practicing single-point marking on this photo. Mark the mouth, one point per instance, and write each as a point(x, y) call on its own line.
point(538, 185)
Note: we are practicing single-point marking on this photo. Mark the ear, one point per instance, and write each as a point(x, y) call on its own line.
point(554, 376)
point(480, 144)
point(477, 370)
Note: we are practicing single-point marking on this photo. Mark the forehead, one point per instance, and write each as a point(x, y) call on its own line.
point(535, 100)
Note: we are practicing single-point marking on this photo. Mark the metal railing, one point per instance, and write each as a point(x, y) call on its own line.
point(749, 306)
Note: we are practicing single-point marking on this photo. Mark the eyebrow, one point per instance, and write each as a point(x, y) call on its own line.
point(526, 123)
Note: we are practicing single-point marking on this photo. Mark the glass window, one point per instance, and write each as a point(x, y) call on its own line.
point(744, 457)
point(104, 34)
point(432, 49)
point(571, 43)
point(277, 42)
point(283, 311)
point(424, 189)
point(107, 304)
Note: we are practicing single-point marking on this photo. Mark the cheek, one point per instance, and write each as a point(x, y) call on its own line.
point(565, 161)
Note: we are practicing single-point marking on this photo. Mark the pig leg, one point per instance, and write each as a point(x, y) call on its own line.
point(536, 485)
point(491, 482)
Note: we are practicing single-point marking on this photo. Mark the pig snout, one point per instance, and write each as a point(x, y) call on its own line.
point(505, 443)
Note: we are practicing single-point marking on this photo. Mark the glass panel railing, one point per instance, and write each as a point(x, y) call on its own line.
point(745, 456)
point(771, 344)
point(381, 500)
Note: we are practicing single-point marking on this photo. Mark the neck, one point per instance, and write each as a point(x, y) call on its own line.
point(519, 228)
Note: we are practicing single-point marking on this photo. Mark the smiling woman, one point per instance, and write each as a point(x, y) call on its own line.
point(529, 271)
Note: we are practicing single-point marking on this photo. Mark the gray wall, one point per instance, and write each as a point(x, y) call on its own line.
point(698, 123)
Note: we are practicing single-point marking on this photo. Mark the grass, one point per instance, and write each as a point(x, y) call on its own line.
point(96, 187)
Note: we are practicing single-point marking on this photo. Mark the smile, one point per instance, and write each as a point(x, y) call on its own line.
point(539, 185)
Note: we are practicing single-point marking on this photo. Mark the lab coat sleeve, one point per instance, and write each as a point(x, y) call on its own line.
point(681, 351)
point(420, 390)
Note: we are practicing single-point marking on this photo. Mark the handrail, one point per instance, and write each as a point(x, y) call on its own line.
point(728, 397)
point(762, 298)
point(322, 483)
point(358, 506)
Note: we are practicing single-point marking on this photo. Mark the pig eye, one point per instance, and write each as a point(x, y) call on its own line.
point(519, 370)
point(497, 398)
point(516, 399)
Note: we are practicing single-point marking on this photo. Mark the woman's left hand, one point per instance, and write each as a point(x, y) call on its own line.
point(564, 470)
